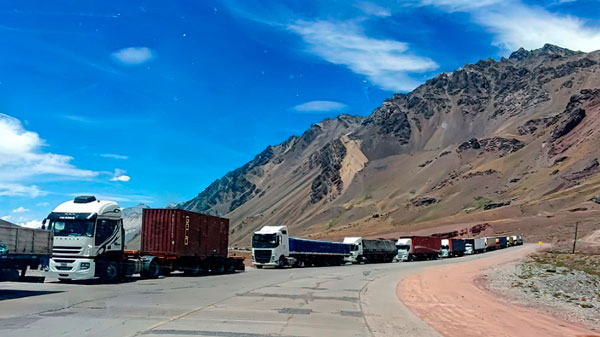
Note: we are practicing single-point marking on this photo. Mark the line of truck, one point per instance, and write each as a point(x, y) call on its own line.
point(84, 239)
point(272, 246)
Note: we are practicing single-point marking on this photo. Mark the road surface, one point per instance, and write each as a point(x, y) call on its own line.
point(351, 300)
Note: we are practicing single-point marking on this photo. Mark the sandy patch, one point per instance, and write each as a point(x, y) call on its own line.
point(449, 299)
point(353, 162)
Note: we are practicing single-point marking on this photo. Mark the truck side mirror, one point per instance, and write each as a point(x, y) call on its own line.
point(44, 223)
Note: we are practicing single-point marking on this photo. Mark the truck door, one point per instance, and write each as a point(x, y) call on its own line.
point(107, 236)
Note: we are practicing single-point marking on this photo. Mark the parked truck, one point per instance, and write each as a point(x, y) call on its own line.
point(453, 247)
point(418, 248)
point(478, 244)
point(21, 249)
point(501, 242)
point(89, 242)
point(370, 251)
point(490, 243)
point(272, 246)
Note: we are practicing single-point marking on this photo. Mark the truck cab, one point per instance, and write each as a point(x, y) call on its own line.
point(88, 239)
point(270, 247)
point(404, 248)
point(445, 251)
point(356, 251)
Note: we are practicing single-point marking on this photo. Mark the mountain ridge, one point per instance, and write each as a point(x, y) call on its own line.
point(348, 173)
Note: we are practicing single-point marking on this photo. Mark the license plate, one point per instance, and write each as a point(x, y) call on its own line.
point(63, 264)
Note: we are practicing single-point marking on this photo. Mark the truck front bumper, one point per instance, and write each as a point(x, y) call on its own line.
point(71, 269)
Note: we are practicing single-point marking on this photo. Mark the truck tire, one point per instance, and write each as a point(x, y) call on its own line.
point(229, 266)
point(192, 270)
point(153, 270)
point(109, 271)
point(281, 263)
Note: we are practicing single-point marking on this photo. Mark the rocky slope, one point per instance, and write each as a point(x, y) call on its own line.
point(132, 222)
point(496, 141)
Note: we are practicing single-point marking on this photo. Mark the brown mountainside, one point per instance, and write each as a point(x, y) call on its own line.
point(512, 143)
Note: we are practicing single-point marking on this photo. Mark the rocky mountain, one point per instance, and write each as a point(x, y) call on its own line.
point(497, 141)
point(132, 222)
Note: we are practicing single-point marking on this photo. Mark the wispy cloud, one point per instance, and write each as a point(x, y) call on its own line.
point(20, 210)
point(21, 157)
point(373, 9)
point(113, 156)
point(515, 24)
point(386, 63)
point(120, 175)
point(319, 106)
point(133, 55)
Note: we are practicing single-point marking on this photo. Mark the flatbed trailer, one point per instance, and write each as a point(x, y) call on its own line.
point(22, 249)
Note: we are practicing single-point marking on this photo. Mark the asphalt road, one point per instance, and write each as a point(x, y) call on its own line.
point(351, 300)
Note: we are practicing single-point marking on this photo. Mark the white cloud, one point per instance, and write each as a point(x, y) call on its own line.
point(43, 204)
point(31, 224)
point(21, 158)
point(519, 25)
point(20, 210)
point(6, 217)
point(385, 63)
point(320, 106)
point(18, 190)
point(370, 8)
point(133, 55)
point(514, 24)
point(120, 176)
point(113, 156)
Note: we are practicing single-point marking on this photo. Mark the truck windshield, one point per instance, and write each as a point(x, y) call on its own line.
point(403, 247)
point(264, 241)
point(72, 227)
point(354, 248)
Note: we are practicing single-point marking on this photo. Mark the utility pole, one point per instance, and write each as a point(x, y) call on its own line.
point(575, 240)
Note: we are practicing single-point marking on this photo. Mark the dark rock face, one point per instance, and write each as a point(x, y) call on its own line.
point(532, 125)
point(493, 205)
point(596, 199)
point(480, 174)
point(391, 119)
point(573, 114)
point(495, 144)
point(328, 182)
point(423, 201)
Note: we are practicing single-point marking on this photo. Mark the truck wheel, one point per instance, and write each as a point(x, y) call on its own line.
point(153, 270)
point(229, 267)
point(193, 270)
point(109, 271)
point(281, 262)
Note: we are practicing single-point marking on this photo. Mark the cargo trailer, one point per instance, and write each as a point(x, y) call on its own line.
point(453, 247)
point(490, 243)
point(478, 244)
point(272, 246)
point(89, 242)
point(501, 242)
point(21, 249)
point(370, 250)
point(418, 248)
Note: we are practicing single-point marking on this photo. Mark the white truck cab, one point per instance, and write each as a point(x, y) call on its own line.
point(445, 251)
point(87, 233)
point(469, 249)
point(404, 247)
point(270, 247)
point(356, 250)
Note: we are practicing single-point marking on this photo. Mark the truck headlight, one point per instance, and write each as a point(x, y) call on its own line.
point(84, 266)
point(272, 258)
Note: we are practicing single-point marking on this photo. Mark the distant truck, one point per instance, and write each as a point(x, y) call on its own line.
point(272, 246)
point(490, 243)
point(89, 242)
point(22, 248)
point(478, 244)
point(501, 242)
point(418, 248)
point(370, 251)
point(453, 247)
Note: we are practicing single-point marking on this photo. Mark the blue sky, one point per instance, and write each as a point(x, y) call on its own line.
point(150, 101)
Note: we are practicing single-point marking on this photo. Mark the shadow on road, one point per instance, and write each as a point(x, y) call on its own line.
point(13, 294)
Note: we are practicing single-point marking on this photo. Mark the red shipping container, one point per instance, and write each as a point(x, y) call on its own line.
point(180, 233)
point(426, 245)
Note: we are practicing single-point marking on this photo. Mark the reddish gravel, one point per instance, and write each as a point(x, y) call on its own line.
point(449, 299)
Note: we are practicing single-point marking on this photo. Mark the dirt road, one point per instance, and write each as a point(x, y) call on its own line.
point(449, 299)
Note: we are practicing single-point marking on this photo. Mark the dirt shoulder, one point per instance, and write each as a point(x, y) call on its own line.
point(451, 300)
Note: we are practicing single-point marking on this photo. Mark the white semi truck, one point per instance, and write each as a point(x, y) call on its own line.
point(89, 242)
point(272, 246)
point(370, 250)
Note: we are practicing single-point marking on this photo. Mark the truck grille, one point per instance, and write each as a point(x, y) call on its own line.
point(262, 256)
point(66, 251)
